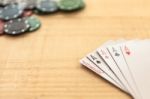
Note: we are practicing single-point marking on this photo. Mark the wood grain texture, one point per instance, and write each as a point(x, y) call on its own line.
point(45, 64)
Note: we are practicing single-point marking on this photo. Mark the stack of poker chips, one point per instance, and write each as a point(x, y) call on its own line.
point(16, 16)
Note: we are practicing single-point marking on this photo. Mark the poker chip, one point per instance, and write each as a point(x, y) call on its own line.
point(6, 2)
point(70, 5)
point(16, 26)
point(16, 15)
point(1, 27)
point(47, 6)
point(30, 4)
point(1, 8)
point(10, 12)
point(34, 23)
point(1, 3)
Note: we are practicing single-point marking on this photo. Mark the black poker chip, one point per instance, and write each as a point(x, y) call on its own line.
point(47, 6)
point(11, 11)
point(16, 26)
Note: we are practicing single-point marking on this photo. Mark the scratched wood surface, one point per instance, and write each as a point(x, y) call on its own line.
point(45, 64)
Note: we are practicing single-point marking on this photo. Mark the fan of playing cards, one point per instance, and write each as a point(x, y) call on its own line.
point(125, 64)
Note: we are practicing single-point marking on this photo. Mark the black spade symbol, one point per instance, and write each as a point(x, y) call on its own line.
point(117, 54)
point(98, 62)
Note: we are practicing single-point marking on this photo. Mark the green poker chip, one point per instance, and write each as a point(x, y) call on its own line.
point(70, 5)
point(34, 23)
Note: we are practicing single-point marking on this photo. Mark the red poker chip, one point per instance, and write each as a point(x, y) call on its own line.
point(27, 13)
point(1, 27)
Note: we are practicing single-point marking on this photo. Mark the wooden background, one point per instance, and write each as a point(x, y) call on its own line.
point(45, 64)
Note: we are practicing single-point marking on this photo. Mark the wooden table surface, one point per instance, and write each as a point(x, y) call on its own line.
point(45, 64)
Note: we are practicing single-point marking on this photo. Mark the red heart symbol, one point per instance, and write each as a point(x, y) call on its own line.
point(128, 53)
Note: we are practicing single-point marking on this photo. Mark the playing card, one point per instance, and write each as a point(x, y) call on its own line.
point(89, 64)
point(118, 57)
point(123, 63)
point(97, 61)
point(107, 58)
point(94, 58)
point(137, 56)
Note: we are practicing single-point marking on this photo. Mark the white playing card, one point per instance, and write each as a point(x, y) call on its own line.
point(124, 64)
point(99, 63)
point(137, 56)
point(89, 64)
point(118, 57)
point(104, 66)
point(105, 55)
point(94, 58)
